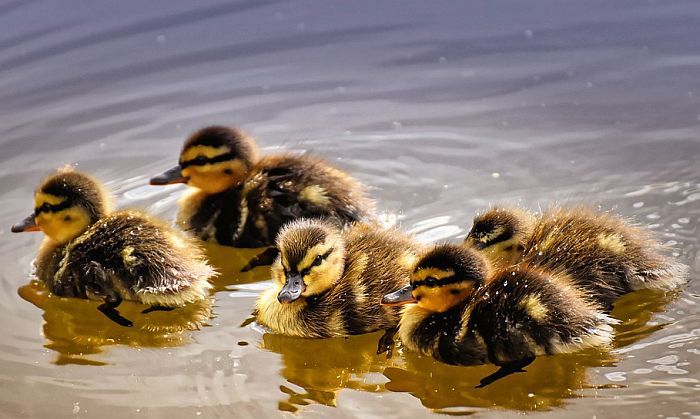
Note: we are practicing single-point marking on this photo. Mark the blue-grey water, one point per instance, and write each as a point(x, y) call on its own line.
point(441, 108)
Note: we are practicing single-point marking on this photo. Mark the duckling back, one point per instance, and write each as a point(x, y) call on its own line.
point(602, 253)
point(285, 187)
point(144, 260)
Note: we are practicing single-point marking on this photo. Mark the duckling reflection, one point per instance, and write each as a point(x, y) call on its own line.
point(228, 262)
point(323, 367)
point(549, 381)
point(74, 331)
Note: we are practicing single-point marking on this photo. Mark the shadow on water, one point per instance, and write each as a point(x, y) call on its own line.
point(317, 370)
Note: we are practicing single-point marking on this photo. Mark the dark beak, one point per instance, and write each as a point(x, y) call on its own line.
point(28, 224)
point(399, 298)
point(169, 177)
point(292, 289)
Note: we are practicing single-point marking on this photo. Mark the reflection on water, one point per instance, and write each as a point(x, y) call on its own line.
point(75, 328)
point(317, 369)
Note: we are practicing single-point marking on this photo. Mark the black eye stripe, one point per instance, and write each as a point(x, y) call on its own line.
point(431, 282)
point(46, 207)
point(202, 160)
point(317, 261)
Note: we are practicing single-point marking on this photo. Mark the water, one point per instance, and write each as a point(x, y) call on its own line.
point(441, 108)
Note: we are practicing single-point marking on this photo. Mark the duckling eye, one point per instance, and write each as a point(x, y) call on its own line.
point(454, 291)
point(228, 171)
point(199, 161)
point(317, 260)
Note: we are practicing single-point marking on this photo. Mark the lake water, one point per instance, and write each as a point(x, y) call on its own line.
point(441, 108)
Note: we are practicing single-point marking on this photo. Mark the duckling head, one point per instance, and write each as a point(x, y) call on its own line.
point(501, 234)
point(442, 278)
point(311, 259)
point(65, 205)
point(213, 159)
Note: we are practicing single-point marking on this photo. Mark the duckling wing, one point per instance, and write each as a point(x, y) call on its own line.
point(146, 262)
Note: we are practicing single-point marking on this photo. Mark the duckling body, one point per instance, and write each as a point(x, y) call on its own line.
point(243, 201)
point(464, 315)
point(603, 254)
point(328, 282)
point(111, 256)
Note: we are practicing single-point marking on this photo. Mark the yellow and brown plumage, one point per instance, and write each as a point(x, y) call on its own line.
point(328, 281)
point(91, 252)
point(602, 253)
point(462, 313)
point(241, 200)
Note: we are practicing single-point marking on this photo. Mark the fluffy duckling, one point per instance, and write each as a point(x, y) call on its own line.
point(327, 282)
point(241, 200)
point(601, 252)
point(464, 315)
point(90, 252)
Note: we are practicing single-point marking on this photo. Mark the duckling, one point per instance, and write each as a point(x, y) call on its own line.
point(462, 314)
point(327, 281)
point(603, 254)
point(94, 253)
point(241, 200)
point(501, 234)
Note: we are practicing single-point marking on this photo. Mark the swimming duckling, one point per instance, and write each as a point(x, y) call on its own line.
point(464, 315)
point(602, 253)
point(327, 282)
point(242, 200)
point(91, 252)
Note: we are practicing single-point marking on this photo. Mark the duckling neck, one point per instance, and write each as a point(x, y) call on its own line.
point(219, 217)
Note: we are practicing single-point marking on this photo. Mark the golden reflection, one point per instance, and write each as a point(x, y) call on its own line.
point(318, 368)
point(75, 328)
point(228, 262)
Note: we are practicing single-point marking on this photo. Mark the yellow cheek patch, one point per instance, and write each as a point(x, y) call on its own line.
point(436, 273)
point(534, 307)
point(504, 253)
point(203, 150)
point(55, 225)
point(441, 299)
point(611, 242)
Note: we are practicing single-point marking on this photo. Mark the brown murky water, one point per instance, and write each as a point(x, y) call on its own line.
point(440, 108)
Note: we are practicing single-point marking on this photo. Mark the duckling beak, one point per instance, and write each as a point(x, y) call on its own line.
point(292, 289)
point(169, 177)
point(28, 224)
point(399, 298)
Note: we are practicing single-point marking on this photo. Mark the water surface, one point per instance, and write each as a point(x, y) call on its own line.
point(440, 108)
